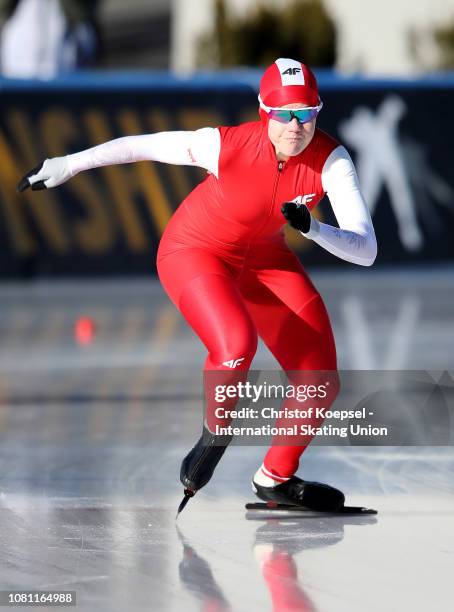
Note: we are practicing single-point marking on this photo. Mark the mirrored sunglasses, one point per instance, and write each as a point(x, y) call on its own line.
point(302, 115)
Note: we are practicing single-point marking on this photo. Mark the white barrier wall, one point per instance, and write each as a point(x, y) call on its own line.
point(373, 36)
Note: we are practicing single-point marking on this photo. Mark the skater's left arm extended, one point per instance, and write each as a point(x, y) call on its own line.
point(197, 148)
point(354, 240)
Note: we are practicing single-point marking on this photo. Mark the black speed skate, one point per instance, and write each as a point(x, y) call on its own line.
point(198, 466)
point(296, 492)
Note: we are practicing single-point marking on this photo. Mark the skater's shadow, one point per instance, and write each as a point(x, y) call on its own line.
point(279, 539)
point(198, 579)
point(296, 534)
point(276, 542)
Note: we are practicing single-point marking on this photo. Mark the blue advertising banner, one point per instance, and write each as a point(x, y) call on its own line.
point(109, 220)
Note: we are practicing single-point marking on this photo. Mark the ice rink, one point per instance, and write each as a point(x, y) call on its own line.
point(92, 438)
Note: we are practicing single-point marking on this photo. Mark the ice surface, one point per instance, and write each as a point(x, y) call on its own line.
point(92, 438)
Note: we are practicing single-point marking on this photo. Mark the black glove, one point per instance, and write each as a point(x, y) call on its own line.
point(297, 215)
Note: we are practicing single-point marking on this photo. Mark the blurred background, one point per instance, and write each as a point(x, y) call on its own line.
point(78, 72)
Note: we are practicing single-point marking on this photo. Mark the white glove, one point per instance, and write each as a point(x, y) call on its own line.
point(50, 173)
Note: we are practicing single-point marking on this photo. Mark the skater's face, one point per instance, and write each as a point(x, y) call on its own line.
point(291, 138)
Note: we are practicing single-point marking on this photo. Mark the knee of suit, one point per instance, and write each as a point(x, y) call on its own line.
point(236, 351)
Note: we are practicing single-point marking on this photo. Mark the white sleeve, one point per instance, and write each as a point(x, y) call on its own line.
point(354, 240)
point(199, 148)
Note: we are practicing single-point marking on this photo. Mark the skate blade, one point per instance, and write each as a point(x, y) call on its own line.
point(260, 508)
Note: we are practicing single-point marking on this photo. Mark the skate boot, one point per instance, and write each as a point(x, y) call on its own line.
point(199, 464)
point(297, 492)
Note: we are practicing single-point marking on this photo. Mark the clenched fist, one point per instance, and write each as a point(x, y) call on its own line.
point(298, 215)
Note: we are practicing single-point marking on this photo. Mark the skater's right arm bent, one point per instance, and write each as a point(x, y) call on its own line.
point(198, 148)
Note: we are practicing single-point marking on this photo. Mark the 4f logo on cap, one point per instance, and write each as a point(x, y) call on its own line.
point(291, 71)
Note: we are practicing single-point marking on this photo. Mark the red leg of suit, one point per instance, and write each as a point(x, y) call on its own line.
point(214, 308)
point(301, 340)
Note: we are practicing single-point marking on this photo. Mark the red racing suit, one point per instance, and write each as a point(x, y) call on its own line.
point(224, 262)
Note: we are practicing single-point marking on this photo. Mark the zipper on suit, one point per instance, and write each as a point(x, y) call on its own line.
point(280, 167)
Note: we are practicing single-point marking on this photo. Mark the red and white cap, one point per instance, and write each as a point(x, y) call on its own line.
point(287, 82)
